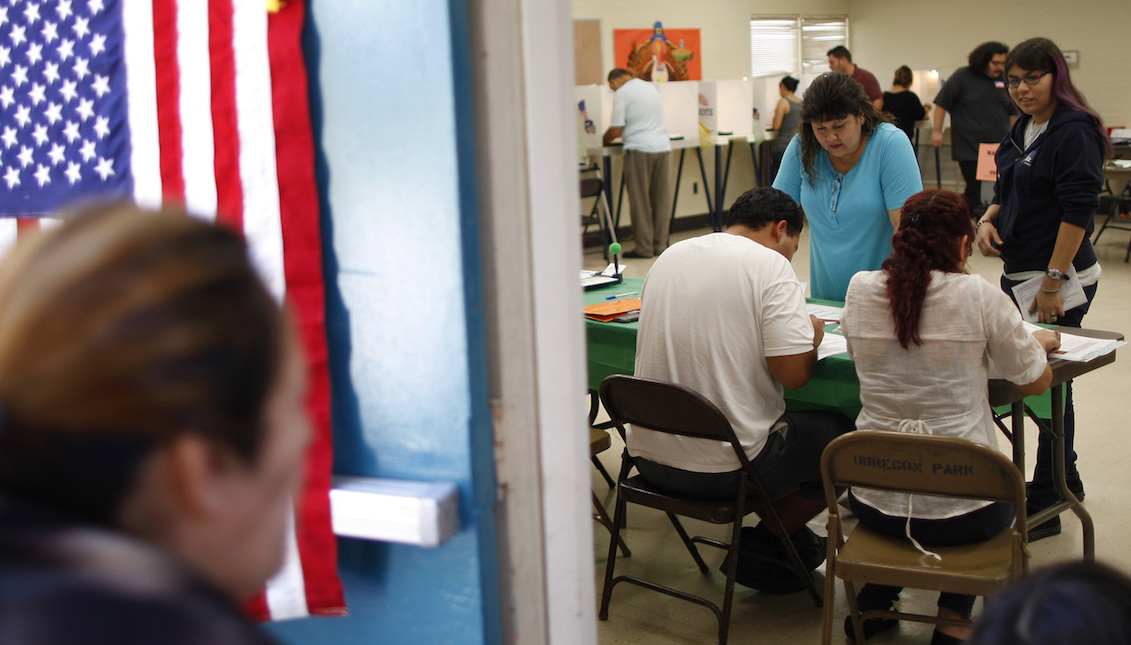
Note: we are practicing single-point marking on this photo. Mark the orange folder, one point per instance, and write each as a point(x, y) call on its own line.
point(606, 311)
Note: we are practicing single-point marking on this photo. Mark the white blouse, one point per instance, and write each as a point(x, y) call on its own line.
point(939, 387)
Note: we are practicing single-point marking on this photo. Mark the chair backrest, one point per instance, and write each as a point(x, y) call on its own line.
point(666, 407)
point(926, 464)
point(591, 187)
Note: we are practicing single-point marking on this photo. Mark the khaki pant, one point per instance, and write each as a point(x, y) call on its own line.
point(649, 191)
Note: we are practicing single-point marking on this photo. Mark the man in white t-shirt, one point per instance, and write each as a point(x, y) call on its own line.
point(724, 315)
point(638, 117)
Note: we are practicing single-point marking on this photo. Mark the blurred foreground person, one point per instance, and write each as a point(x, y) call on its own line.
point(151, 432)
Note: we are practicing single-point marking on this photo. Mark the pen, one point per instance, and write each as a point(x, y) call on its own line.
point(618, 295)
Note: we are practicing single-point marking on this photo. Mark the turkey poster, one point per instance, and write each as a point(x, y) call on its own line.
point(659, 54)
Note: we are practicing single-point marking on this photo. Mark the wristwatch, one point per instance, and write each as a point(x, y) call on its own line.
point(1056, 274)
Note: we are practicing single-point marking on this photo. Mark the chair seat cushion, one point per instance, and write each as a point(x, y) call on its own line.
point(975, 569)
point(599, 441)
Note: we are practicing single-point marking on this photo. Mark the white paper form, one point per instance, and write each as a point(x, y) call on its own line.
point(1071, 293)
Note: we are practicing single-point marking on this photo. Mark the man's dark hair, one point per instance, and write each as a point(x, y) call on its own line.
point(618, 72)
point(840, 51)
point(761, 207)
point(980, 58)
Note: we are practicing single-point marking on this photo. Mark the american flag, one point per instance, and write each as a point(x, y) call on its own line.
point(202, 103)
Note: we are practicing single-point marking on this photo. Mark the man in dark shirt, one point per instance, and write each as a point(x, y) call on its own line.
point(840, 60)
point(980, 112)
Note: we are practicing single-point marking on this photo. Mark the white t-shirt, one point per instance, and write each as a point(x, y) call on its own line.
point(965, 324)
point(714, 307)
point(638, 109)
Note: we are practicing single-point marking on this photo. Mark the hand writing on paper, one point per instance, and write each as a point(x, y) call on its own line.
point(1048, 339)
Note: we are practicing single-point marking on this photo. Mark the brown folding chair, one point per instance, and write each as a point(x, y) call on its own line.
point(599, 442)
point(670, 408)
point(926, 465)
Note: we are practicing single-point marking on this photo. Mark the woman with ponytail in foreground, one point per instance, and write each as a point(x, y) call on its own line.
point(922, 332)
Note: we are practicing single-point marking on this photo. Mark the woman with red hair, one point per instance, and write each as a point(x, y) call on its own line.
point(922, 332)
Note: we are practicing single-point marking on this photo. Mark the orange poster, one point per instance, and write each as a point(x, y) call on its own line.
point(659, 54)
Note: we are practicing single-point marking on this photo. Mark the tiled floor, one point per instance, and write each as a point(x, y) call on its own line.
point(1103, 444)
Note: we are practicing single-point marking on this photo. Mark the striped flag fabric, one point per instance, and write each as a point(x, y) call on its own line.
point(202, 103)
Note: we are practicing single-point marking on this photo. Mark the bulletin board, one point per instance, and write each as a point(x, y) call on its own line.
point(587, 52)
point(659, 54)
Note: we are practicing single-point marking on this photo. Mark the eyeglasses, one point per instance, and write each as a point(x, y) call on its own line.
point(1030, 80)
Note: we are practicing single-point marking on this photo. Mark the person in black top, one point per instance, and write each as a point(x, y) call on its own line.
point(1049, 176)
point(152, 432)
point(980, 112)
point(904, 104)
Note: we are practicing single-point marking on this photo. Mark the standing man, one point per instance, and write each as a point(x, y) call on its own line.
point(980, 112)
point(840, 60)
point(638, 116)
point(724, 315)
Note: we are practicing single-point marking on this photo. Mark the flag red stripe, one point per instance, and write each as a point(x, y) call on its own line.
point(298, 201)
point(225, 127)
point(256, 607)
point(168, 99)
point(26, 226)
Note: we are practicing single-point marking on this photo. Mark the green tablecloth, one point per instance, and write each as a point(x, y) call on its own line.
point(612, 350)
point(834, 386)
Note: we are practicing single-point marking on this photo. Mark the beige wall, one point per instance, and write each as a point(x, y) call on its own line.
point(939, 34)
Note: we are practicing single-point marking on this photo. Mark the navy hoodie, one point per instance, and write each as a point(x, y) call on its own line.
point(1057, 179)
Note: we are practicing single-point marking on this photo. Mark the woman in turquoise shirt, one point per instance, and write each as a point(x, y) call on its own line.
point(851, 170)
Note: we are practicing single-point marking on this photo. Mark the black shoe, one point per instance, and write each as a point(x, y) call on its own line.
point(939, 638)
point(1074, 485)
point(871, 627)
point(635, 255)
point(763, 563)
point(1044, 530)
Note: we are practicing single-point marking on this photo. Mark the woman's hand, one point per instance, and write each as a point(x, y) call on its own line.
point(1048, 339)
point(1049, 307)
point(988, 238)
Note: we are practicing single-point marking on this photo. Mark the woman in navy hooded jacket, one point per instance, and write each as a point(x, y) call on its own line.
point(1050, 172)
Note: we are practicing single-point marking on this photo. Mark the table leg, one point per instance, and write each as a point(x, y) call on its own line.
point(726, 180)
point(675, 197)
point(717, 212)
point(754, 157)
point(706, 190)
point(1017, 416)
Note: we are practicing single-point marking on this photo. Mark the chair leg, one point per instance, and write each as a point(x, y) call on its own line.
point(688, 543)
point(604, 473)
point(830, 586)
point(794, 557)
point(602, 516)
point(610, 564)
point(728, 590)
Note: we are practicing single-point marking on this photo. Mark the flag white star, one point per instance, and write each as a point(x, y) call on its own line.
point(85, 109)
point(53, 113)
point(7, 96)
point(97, 44)
point(101, 85)
point(56, 155)
point(50, 31)
point(40, 134)
point(81, 27)
point(42, 174)
point(17, 34)
point(72, 172)
point(71, 131)
point(95, 6)
point(9, 137)
point(23, 115)
point(3, 15)
point(87, 150)
point(24, 156)
point(51, 72)
point(63, 9)
point(19, 75)
point(69, 91)
point(104, 167)
point(5, 56)
point(102, 127)
point(82, 67)
point(37, 94)
point(31, 11)
point(34, 53)
point(12, 176)
point(66, 49)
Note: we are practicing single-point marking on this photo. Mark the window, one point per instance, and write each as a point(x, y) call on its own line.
point(794, 45)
